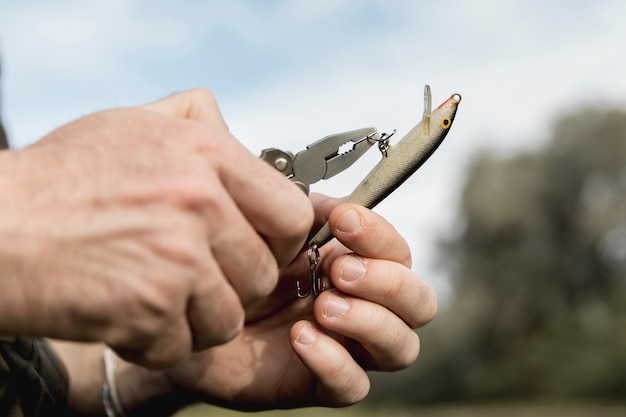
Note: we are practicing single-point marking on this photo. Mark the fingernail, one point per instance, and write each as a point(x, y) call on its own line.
point(307, 335)
point(336, 305)
point(352, 268)
point(349, 222)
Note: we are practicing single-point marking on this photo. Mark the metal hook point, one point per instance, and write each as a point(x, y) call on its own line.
point(299, 292)
point(317, 284)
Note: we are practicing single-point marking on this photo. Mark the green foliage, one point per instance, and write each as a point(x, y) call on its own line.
point(539, 272)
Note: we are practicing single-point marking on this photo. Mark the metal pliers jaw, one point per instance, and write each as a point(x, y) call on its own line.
point(322, 159)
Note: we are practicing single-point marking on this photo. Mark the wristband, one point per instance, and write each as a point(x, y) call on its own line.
point(110, 399)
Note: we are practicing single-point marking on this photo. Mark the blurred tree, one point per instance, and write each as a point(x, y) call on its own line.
point(539, 272)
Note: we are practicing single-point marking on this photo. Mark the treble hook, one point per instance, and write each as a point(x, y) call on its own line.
point(383, 142)
point(317, 285)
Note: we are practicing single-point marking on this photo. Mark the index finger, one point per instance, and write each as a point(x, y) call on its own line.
point(276, 207)
point(273, 205)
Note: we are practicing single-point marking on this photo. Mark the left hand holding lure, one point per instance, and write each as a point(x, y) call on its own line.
point(325, 158)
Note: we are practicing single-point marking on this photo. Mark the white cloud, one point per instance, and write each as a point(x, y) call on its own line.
point(83, 40)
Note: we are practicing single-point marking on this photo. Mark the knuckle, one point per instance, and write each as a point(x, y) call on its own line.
point(183, 247)
point(149, 344)
point(210, 197)
point(265, 267)
point(400, 351)
point(355, 393)
point(398, 248)
point(204, 139)
point(195, 191)
point(202, 94)
point(229, 327)
point(235, 328)
point(410, 351)
point(396, 285)
point(429, 304)
point(159, 357)
point(152, 309)
point(304, 218)
point(426, 310)
point(294, 212)
point(380, 324)
point(215, 315)
point(349, 390)
point(407, 259)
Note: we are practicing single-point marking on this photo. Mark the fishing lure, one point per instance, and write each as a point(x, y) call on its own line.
point(399, 162)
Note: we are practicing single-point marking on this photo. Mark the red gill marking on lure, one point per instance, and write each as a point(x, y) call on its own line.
point(445, 102)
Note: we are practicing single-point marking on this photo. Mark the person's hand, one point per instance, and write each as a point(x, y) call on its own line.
point(295, 352)
point(149, 228)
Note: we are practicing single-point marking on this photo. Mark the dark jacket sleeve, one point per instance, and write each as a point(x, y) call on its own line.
point(33, 381)
point(4, 143)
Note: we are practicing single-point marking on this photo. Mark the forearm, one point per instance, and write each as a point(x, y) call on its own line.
point(141, 391)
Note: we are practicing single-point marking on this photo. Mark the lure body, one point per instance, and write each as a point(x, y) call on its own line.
point(401, 160)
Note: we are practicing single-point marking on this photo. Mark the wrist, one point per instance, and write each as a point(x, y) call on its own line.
point(139, 390)
point(142, 391)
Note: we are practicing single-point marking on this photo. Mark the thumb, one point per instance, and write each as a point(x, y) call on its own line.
point(195, 104)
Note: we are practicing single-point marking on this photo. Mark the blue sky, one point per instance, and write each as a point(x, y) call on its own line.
point(287, 73)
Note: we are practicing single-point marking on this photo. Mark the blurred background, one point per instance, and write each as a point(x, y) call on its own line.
point(518, 221)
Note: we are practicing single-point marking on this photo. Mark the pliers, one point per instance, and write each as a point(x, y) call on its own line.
point(322, 159)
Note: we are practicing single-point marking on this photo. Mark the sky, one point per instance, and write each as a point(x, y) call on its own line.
point(287, 73)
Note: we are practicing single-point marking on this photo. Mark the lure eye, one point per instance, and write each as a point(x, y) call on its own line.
point(445, 122)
